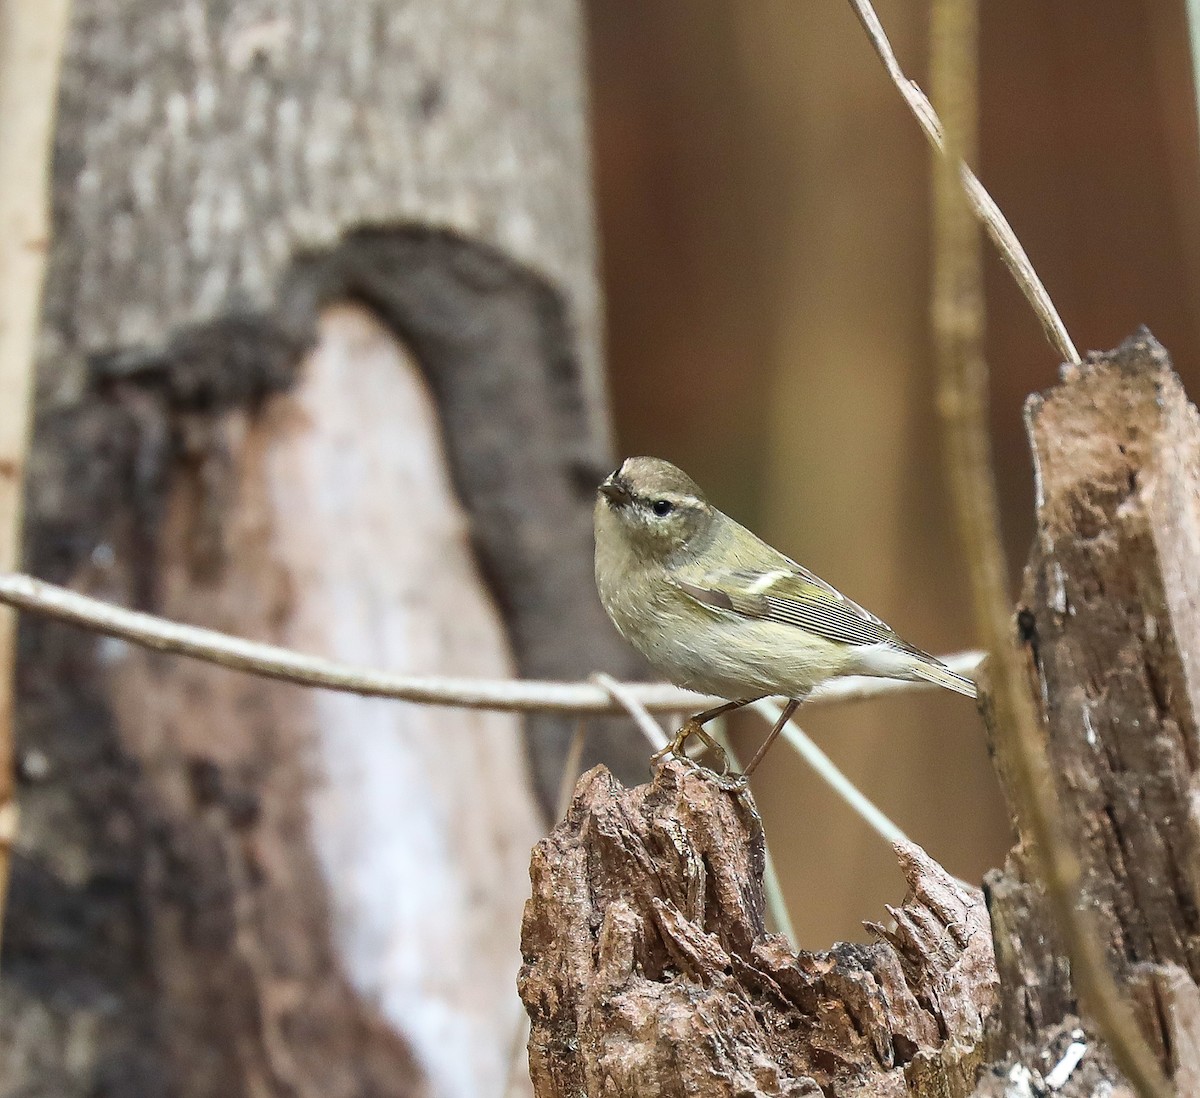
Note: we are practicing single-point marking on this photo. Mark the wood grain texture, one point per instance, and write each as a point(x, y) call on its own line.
point(648, 968)
point(1110, 619)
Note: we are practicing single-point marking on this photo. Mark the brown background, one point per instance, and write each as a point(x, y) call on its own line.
point(764, 219)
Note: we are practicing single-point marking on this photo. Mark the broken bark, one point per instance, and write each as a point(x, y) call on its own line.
point(647, 969)
point(1110, 618)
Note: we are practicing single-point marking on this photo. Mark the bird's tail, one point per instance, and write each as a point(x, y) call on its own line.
point(930, 670)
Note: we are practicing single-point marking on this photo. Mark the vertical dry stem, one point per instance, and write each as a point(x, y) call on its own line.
point(989, 214)
point(31, 40)
point(958, 316)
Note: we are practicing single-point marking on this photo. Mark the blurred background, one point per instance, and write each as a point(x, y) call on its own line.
point(763, 203)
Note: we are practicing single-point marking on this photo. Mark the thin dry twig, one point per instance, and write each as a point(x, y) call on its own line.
point(647, 725)
point(509, 695)
point(31, 45)
point(958, 316)
point(984, 208)
point(827, 770)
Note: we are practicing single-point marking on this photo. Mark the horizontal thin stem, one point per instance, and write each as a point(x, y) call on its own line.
point(512, 695)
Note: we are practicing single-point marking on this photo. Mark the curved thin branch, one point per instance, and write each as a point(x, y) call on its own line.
point(621, 692)
point(511, 695)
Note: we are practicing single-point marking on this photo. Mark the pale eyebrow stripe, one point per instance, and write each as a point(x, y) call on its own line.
point(679, 499)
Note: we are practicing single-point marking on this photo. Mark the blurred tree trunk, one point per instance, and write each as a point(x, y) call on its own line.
point(31, 45)
point(320, 365)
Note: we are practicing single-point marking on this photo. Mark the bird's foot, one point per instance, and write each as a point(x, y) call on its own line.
point(675, 749)
point(733, 783)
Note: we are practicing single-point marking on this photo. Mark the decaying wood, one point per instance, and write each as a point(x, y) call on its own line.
point(648, 969)
point(292, 820)
point(1110, 618)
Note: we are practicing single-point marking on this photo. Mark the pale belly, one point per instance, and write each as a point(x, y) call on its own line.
point(734, 657)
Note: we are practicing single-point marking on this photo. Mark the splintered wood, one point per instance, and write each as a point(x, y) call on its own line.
point(1110, 619)
point(648, 969)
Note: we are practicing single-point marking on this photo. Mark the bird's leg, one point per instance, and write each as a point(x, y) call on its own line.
point(736, 785)
point(695, 727)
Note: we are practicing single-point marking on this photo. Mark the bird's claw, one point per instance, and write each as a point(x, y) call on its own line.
point(675, 749)
point(733, 783)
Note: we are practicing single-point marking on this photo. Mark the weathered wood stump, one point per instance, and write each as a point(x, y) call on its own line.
point(648, 969)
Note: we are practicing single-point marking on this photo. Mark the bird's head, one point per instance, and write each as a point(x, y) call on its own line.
point(655, 508)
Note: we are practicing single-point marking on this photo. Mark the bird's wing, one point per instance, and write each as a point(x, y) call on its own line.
point(790, 595)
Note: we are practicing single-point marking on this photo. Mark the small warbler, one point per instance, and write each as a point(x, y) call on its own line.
point(716, 609)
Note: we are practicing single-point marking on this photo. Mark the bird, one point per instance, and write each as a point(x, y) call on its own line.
point(717, 610)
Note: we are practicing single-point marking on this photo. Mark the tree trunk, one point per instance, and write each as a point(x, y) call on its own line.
point(226, 886)
point(646, 965)
point(1109, 618)
point(31, 44)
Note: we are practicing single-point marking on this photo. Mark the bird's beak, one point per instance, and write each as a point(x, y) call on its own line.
point(614, 491)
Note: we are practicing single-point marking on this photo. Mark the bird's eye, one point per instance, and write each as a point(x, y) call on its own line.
point(662, 507)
